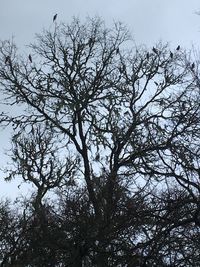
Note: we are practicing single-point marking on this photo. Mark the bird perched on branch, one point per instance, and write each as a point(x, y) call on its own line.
point(192, 66)
point(30, 58)
point(54, 17)
point(7, 59)
point(178, 47)
point(171, 54)
point(117, 50)
point(91, 41)
point(155, 50)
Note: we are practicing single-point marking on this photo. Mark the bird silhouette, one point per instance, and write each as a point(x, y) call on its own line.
point(30, 58)
point(54, 17)
point(117, 50)
point(7, 59)
point(147, 55)
point(178, 47)
point(171, 54)
point(155, 50)
point(192, 66)
point(183, 105)
point(91, 41)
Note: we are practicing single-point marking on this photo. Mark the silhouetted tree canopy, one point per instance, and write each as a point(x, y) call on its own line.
point(108, 133)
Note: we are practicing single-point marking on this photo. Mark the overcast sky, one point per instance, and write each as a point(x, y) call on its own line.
point(173, 21)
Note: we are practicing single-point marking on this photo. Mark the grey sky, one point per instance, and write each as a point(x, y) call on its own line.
point(170, 20)
point(149, 21)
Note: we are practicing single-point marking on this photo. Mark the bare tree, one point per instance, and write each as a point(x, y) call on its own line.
point(115, 133)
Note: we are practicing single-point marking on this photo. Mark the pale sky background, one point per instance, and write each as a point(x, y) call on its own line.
point(149, 21)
